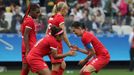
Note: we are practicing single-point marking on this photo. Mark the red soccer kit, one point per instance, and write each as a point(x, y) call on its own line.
point(102, 56)
point(28, 23)
point(41, 48)
point(56, 20)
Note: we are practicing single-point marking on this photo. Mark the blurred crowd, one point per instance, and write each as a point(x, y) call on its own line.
point(98, 15)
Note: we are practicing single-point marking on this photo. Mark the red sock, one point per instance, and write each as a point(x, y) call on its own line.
point(54, 73)
point(86, 73)
point(24, 72)
point(60, 71)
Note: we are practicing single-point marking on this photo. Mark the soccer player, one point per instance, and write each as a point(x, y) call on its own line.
point(57, 19)
point(131, 41)
point(95, 50)
point(28, 35)
point(46, 46)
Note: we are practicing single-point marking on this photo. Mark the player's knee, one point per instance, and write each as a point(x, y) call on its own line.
point(63, 65)
point(89, 69)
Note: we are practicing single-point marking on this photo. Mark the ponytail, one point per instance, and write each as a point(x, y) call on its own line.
point(57, 7)
point(54, 10)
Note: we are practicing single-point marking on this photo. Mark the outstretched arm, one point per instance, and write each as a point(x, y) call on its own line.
point(59, 56)
point(65, 35)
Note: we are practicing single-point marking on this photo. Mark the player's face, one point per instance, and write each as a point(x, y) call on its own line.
point(76, 31)
point(65, 10)
point(59, 37)
point(36, 13)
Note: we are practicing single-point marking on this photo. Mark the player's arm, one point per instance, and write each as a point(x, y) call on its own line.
point(65, 35)
point(83, 51)
point(90, 52)
point(59, 56)
point(26, 39)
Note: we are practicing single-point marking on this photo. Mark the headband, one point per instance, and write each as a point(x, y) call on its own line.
point(60, 32)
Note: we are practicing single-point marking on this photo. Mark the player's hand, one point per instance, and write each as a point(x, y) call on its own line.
point(82, 62)
point(71, 53)
point(74, 47)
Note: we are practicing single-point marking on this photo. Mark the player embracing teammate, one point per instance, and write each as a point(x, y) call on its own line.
point(51, 45)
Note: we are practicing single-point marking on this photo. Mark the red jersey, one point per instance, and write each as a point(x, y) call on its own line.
point(43, 47)
point(56, 20)
point(88, 37)
point(29, 23)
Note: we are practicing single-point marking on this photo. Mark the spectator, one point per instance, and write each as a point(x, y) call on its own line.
point(86, 20)
point(3, 23)
point(119, 20)
point(100, 18)
point(107, 26)
point(16, 21)
point(42, 21)
point(77, 12)
point(68, 21)
point(122, 5)
point(2, 6)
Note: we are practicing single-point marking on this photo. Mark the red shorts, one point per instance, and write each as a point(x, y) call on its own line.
point(60, 51)
point(36, 64)
point(24, 58)
point(98, 62)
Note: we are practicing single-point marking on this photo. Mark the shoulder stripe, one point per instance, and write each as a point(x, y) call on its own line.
point(28, 27)
point(53, 48)
point(61, 23)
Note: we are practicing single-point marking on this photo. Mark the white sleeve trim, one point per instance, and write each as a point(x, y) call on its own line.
point(28, 27)
point(53, 48)
point(61, 23)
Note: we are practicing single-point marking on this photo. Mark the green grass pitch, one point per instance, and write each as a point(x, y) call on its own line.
point(76, 72)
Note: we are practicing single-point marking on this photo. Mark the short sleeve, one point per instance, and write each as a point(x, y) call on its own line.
point(29, 23)
point(60, 19)
point(53, 44)
point(86, 39)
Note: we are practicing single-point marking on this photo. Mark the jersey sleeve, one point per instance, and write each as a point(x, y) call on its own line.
point(29, 23)
point(53, 45)
point(60, 19)
point(86, 39)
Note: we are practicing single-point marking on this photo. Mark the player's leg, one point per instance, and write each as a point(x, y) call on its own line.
point(62, 68)
point(82, 70)
point(87, 70)
point(55, 68)
point(131, 60)
point(45, 71)
point(25, 69)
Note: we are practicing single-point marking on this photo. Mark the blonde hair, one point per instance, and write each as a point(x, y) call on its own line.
point(58, 7)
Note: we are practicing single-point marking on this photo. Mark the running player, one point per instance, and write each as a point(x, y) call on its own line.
point(28, 35)
point(95, 50)
point(46, 46)
point(57, 19)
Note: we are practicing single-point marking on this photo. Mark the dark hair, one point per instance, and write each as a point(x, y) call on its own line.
point(31, 7)
point(77, 24)
point(55, 30)
point(34, 7)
